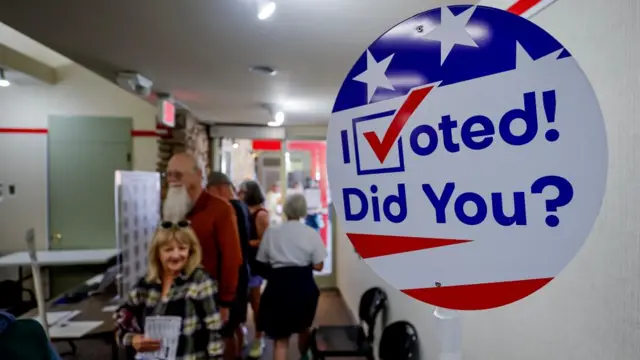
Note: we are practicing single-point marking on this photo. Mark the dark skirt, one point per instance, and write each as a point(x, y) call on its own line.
point(288, 304)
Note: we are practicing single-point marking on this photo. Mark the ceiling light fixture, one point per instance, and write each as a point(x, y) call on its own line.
point(266, 9)
point(276, 113)
point(3, 81)
point(278, 119)
point(263, 69)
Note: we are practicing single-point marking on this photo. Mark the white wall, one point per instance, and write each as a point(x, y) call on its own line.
point(592, 310)
point(23, 156)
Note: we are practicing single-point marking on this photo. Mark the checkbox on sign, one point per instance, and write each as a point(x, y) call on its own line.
point(367, 132)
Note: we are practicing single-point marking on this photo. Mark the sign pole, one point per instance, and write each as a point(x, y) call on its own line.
point(37, 279)
point(450, 331)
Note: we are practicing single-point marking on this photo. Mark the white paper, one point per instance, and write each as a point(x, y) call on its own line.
point(110, 308)
point(72, 329)
point(313, 198)
point(58, 317)
point(167, 330)
point(95, 280)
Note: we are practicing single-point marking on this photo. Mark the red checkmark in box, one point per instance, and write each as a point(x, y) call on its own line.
point(382, 148)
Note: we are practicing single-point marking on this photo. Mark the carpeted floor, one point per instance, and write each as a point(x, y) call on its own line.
point(331, 311)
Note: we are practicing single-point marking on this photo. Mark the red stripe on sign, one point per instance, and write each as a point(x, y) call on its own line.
point(522, 6)
point(370, 246)
point(478, 296)
point(23, 131)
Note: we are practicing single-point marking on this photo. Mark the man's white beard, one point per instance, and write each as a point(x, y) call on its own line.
point(177, 204)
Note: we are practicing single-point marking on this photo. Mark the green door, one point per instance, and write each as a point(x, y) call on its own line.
point(84, 153)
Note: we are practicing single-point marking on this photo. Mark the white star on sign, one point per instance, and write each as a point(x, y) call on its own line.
point(375, 76)
point(452, 31)
point(524, 61)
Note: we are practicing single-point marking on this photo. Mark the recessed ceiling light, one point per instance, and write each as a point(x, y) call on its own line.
point(266, 9)
point(3, 81)
point(263, 69)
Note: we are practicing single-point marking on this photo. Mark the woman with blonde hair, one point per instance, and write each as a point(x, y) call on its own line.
point(175, 285)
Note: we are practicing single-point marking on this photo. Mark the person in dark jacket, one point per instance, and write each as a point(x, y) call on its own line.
point(220, 185)
point(253, 197)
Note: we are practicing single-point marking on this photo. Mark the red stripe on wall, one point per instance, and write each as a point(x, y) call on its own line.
point(522, 6)
point(23, 131)
point(134, 133)
point(144, 133)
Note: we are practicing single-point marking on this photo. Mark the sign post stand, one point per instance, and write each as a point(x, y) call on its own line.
point(450, 331)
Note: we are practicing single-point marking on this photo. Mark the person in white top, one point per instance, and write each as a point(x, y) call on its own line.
point(272, 204)
point(291, 251)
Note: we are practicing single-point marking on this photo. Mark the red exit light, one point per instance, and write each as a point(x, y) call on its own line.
point(167, 113)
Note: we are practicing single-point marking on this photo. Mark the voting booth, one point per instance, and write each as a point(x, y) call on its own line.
point(137, 195)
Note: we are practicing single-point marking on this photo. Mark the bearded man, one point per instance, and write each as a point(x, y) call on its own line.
point(213, 220)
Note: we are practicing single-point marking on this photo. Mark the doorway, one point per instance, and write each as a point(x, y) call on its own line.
point(283, 167)
point(306, 168)
point(83, 154)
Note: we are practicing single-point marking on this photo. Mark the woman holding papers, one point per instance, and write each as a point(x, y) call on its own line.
point(292, 251)
point(175, 287)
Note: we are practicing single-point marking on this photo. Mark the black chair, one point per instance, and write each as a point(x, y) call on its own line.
point(399, 341)
point(12, 301)
point(351, 340)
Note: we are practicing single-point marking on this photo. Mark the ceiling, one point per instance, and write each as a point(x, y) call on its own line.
point(31, 48)
point(200, 50)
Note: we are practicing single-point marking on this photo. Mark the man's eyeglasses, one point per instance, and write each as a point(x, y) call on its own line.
point(179, 225)
point(177, 175)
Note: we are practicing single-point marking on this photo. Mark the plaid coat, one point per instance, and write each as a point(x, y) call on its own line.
point(192, 298)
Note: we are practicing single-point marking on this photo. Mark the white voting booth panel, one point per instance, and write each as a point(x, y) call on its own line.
point(137, 216)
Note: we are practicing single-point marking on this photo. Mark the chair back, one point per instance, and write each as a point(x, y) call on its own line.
point(6, 320)
point(372, 303)
point(11, 294)
point(24, 339)
point(399, 341)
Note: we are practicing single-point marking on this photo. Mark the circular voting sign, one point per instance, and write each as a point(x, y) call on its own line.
point(467, 157)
